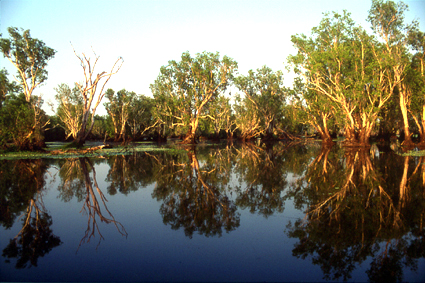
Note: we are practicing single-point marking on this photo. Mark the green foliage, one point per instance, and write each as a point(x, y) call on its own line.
point(6, 87)
point(219, 113)
point(101, 128)
point(55, 131)
point(140, 118)
point(128, 110)
point(29, 55)
point(22, 120)
point(19, 123)
point(70, 109)
point(184, 90)
point(260, 111)
point(387, 20)
point(349, 73)
point(247, 118)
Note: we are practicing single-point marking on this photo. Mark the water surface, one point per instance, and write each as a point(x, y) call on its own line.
point(219, 213)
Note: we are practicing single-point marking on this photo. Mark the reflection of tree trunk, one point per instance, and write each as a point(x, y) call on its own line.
point(324, 153)
point(423, 170)
point(354, 161)
point(212, 195)
point(250, 151)
point(37, 206)
point(92, 208)
point(403, 183)
point(35, 238)
point(194, 164)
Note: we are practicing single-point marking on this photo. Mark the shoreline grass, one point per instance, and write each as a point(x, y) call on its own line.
point(118, 150)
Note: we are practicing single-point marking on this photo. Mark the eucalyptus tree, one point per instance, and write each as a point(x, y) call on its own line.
point(416, 84)
point(230, 125)
point(140, 117)
point(118, 108)
point(220, 112)
point(393, 56)
point(339, 63)
point(312, 110)
point(247, 119)
point(6, 87)
point(70, 109)
point(266, 94)
point(183, 90)
point(21, 123)
point(89, 91)
point(29, 56)
point(129, 110)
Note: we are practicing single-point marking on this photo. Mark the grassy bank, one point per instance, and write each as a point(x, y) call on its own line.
point(59, 150)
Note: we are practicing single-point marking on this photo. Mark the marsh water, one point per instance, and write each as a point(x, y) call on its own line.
point(276, 212)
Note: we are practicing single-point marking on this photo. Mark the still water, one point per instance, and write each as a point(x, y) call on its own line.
point(218, 213)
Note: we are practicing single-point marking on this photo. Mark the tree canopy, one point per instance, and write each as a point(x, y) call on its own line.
point(30, 57)
point(185, 89)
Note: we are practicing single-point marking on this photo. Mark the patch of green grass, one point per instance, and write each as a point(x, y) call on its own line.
point(414, 153)
point(119, 150)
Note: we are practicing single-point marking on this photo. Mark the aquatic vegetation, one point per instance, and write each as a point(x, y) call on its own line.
point(57, 150)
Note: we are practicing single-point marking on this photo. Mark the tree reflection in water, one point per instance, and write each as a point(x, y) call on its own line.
point(264, 173)
point(72, 180)
point(357, 208)
point(23, 182)
point(194, 197)
point(91, 206)
point(76, 181)
point(128, 173)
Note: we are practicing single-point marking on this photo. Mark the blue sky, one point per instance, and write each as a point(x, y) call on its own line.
point(147, 34)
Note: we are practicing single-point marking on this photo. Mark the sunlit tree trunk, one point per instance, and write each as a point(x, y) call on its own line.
point(89, 92)
point(404, 104)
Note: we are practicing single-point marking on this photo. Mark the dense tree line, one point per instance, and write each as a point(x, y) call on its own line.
point(349, 83)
